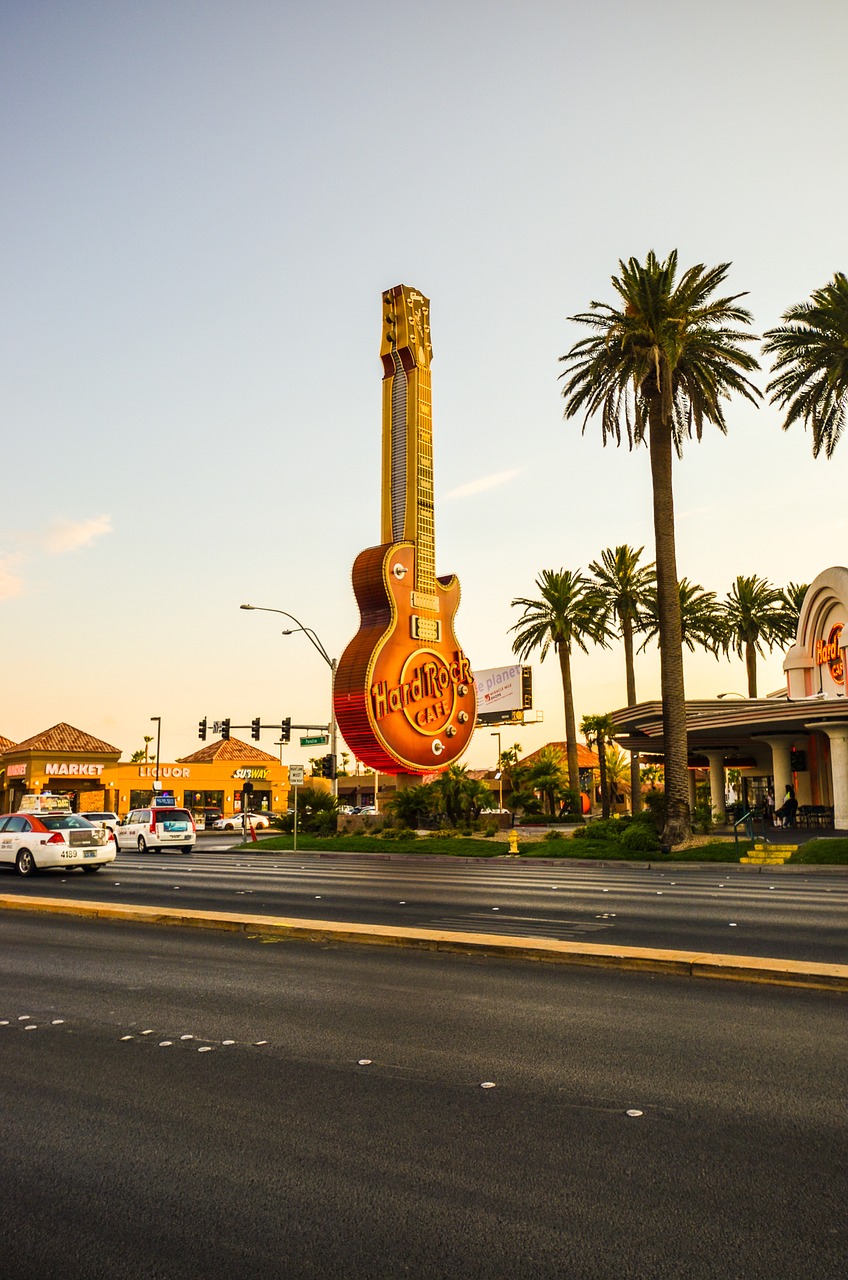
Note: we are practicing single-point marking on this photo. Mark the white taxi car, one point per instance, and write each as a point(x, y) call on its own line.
point(157, 827)
point(33, 842)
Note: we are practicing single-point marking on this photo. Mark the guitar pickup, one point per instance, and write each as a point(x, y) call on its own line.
point(428, 629)
point(419, 600)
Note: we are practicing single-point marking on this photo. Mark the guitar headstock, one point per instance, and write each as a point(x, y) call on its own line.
point(406, 324)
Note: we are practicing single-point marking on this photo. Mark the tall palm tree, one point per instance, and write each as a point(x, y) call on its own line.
point(701, 618)
point(623, 581)
point(755, 615)
point(810, 351)
point(598, 730)
point(660, 366)
point(567, 612)
point(793, 597)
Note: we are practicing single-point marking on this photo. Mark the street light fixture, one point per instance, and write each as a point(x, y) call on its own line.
point(316, 643)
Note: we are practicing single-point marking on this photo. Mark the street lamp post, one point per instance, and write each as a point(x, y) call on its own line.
point(315, 641)
point(158, 720)
point(500, 771)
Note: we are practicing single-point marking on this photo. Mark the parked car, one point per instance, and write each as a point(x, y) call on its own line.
point(235, 822)
point(33, 842)
point(102, 819)
point(157, 828)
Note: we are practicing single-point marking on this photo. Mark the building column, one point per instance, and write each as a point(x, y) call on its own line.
point(838, 735)
point(781, 766)
point(717, 800)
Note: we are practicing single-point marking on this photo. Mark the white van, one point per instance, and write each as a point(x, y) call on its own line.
point(157, 828)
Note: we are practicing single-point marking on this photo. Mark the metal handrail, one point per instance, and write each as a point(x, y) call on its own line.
point(748, 819)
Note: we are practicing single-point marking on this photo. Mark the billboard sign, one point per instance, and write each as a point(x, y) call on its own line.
point(501, 690)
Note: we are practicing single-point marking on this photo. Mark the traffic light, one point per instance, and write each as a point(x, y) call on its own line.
point(328, 767)
point(285, 730)
point(201, 730)
point(254, 728)
point(225, 730)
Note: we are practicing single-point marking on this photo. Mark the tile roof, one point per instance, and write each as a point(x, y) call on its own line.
point(231, 749)
point(586, 759)
point(6, 744)
point(64, 739)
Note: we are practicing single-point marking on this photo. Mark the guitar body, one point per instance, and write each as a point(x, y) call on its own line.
point(404, 695)
point(404, 703)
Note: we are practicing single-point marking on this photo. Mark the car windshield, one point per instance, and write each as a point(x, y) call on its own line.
point(62, 821)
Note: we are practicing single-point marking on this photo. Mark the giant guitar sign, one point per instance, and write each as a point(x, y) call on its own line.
point(404, 691)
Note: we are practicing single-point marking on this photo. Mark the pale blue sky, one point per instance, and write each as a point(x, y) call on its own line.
point(201, 205)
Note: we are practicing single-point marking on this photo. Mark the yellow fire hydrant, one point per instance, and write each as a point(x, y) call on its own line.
point(513, 842)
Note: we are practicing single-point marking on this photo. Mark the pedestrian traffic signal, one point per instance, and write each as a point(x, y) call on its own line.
point(225, 730)
point(285, 730)
point(201, 730)
point(328, 767)
point(254, 728)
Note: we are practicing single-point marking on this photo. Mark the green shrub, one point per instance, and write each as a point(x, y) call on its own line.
point(553, 835)
point(405, 833)
point(606, 829)
point(702, 818)
point(491, 830)
point(639, 838)
point(581, 833)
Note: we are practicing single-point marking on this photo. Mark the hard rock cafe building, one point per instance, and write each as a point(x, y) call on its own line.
point(797, 736)
point(67, 761)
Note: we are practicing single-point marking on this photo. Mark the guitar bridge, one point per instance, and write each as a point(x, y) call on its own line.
point(428, 629)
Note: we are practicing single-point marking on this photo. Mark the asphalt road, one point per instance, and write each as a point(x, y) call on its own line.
point(325, 1116)
point(728, 910)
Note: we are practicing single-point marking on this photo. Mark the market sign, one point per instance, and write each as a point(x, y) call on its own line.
point(16, 770)
point(65, 770)
point(829, 653)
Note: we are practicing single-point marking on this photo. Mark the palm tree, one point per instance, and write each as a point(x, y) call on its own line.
point(811, 363)
point(623, 582)
point(597, 730)
point(409, 806)
point(793, 597)
point(616, 770)
point(701, 619)
point(660, 366)
point(568, 612)
point(755, 615)
point(546, 774)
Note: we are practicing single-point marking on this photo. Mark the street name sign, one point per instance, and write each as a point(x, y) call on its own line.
point(314, 742)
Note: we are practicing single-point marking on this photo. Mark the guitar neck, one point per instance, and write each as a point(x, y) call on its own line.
point(408, 514)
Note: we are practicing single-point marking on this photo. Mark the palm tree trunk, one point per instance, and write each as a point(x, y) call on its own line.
point(678, 820)
point(630, 677)
point(602, 770)
point(570, 723)
point(751, 668)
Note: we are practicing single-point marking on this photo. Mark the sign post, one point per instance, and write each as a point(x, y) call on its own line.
point(295, 780)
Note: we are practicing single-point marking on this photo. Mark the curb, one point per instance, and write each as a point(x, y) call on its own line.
point(791, 973)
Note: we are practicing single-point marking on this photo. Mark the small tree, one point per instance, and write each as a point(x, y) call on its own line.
point(596, 730)
point(547, 774)
point(409, 806)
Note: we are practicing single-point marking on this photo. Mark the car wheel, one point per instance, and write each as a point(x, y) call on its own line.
point(90, 870)
point(186, 848)
point(229, 827)
point(25, 863)
point(142, 844)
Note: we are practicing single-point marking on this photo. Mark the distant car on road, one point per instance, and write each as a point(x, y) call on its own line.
point(102, 818)
point(157, 828)
point(33, 842)
point(235, 823)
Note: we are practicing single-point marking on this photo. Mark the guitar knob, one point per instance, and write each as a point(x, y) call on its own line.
point(450, 731)
point(462, 717)
point(438, 747)
point(462, 690)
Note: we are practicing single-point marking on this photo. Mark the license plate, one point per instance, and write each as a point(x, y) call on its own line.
point(90, 853)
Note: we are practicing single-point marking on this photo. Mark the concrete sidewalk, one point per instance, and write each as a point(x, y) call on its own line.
point(792, 973)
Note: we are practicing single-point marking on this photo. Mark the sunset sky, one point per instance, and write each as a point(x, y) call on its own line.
point(202, 203)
